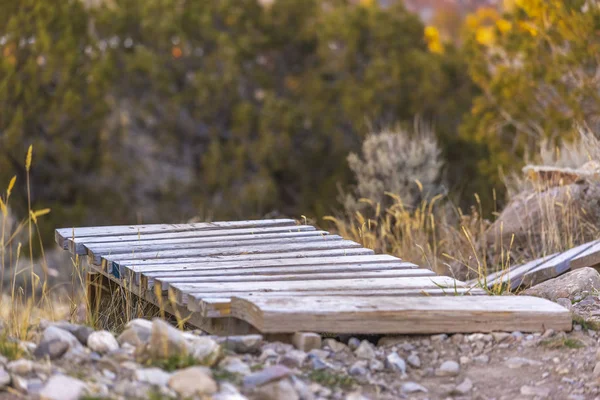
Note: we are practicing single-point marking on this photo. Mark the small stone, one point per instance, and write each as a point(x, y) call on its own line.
point(412, 387)
point(500, 337)
point(153, 376)
point(334, 345)
point(267, 375)
point(235, 366)
point(376, 365)
point(62, 387)
point(102, 342)
point(166, 341)
point(535, 391)
point(464, 388)
point(598, 354)
point(53, 349)
point(82, 333)
point(365, 350)
point(20, 367)
point(317, 362)
point(129, 336)
point(394, 362)
point(517, 335)
point(359, 368)
point(439, 338)
point(319, 353)
point(414, 361)
point(597, 369)
point(464, 360)
point(548, 333)
point(279, 390)
point(4, 378)
point(448, 368)
point(306, 341)
point(518, 362)
point(293, 358)
point(356, 396)
point(268, 354)
point(457, 338)
point(193, 381)
point(483, 359)
point(353, 343)
point(204, 349)
point(228, 392)
point(53, 333)
point(242, 344)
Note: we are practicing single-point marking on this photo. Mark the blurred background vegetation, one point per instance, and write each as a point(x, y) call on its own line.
point(160, 110)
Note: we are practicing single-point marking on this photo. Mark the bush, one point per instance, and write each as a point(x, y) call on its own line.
point(405, 165)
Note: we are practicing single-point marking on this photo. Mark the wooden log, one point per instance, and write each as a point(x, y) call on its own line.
point(514, 276)
point(76, 245)
point(61, 235)
point(390, 315)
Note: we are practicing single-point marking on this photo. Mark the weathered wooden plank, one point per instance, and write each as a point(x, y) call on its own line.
point(273, 265)
point(321, 244)
point(587, 258)
point(275, 271)
point(64, 233)
point(167, 281)
point(554, 267)
point(76, 245)
point(402, 315)
point(434, 282)
point(97, 250)
point(221, 306)
point(514, 275)
point(121, 267)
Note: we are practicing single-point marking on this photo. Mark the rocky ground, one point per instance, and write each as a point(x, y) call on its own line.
point(154, 360)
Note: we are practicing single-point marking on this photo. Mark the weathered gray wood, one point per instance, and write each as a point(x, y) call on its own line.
point(435, 282)
point(275, 271)
point(321, 244)
point(76, 246)
point(64, 233)
point(97, 250)
point(221, 306)
point(554, 267)
point(167, 281)
point(588, 258)
point(514, 276)
point(274, 265)
point(120, 267)
point(402, 315)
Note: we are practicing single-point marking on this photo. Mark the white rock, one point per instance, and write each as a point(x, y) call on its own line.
point(396, 363)
point(597, 369)
point(62, 387)
point(448, 368)
point(235, 366)
point(228, 392)
point(153, 376)
point(193, 381)
point(166, 341)
point(414, 361)
point(20, 367)
point(4, 378)
point(365, 350)
point(412, 387)
point(464, 388)
point(102, 342)
point(518, 362)
point(204, 349)
point(535, 391)
point(278, 390)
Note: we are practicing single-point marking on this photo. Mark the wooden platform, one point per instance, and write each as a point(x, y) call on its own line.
point(276, 276)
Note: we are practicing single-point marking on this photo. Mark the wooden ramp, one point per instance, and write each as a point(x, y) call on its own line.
point(276, 277)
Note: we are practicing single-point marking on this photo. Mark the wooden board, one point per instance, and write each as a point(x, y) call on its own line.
point(556, 266)
point(77, 246)
point(61, 235)
point(121, 267)
point(182, 290)
point(277, 271)
point(513, 278)
point(291, 275)
point(588, 258)
point(401, 315)
point(213, 307)
point(321, 244)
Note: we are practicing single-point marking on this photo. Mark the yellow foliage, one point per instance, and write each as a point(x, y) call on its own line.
point(367, 3)
point(434, 43)
point(28, 158)
point(11, 185)
point(528, 27)
point(485, 35)
point(503, 25)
